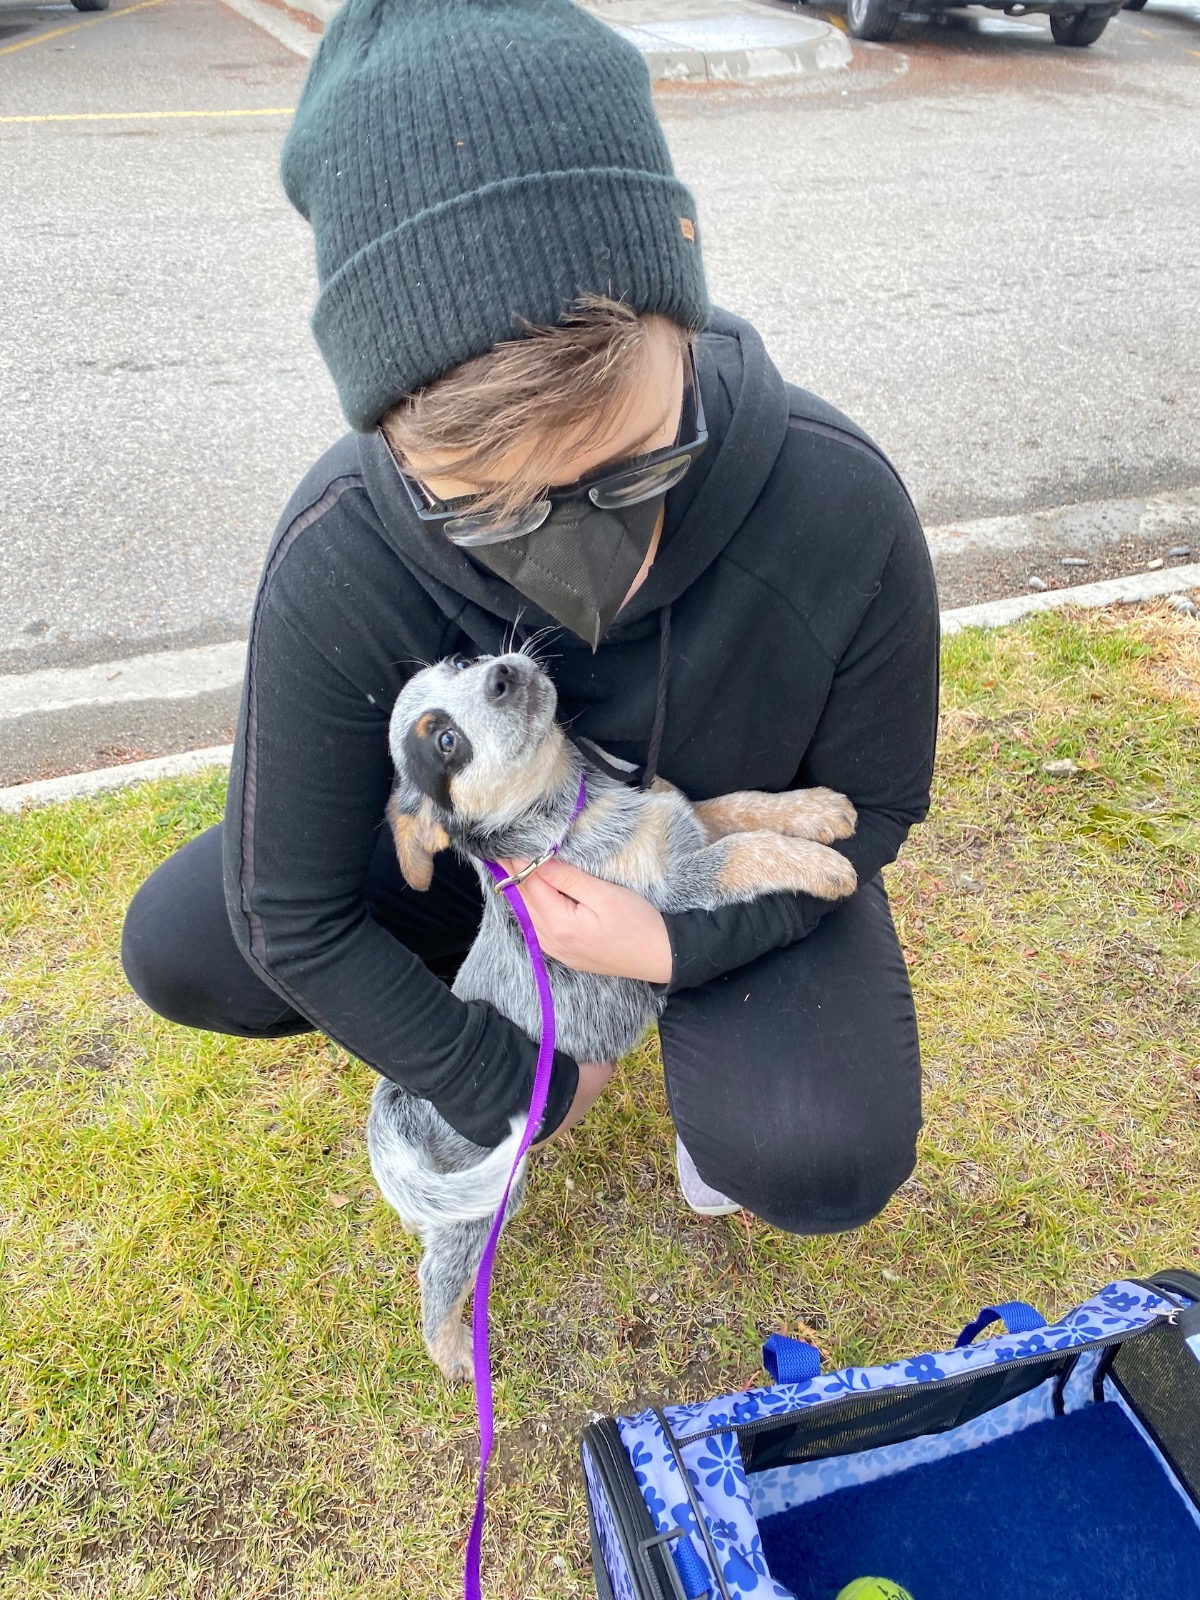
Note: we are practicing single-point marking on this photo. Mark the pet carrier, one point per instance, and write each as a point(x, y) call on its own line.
point(1056, 1462)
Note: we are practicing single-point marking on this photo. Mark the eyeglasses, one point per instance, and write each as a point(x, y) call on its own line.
point(641, 478)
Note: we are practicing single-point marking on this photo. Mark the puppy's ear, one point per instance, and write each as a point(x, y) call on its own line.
point(419, 836)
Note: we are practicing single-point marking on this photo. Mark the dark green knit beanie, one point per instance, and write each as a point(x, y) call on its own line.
point(467, 164)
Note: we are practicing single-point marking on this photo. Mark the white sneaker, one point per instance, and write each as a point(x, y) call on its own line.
point(699, 1195)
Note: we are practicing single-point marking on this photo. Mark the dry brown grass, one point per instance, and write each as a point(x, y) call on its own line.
point(211, 1376)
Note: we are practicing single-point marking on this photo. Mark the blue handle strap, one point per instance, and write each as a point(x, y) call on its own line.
point(790, 1360)
point(1016, 1315)
point(693, 1574)
point(690, 1575)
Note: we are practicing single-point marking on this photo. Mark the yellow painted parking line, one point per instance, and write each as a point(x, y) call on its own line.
point(1153, 33)
point(836, 22)
point(149, 116)
point(57, 33)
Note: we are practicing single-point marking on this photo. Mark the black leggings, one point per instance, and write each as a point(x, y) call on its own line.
point(794, 1082)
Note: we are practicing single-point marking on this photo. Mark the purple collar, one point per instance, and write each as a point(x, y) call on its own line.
point(502, 884)
point(480, 1347)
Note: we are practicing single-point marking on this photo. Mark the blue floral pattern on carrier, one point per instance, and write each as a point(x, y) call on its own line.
point(606, 1535)
point(714, 1465)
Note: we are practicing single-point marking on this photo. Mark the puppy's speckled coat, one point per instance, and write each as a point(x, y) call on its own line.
point(483, 767)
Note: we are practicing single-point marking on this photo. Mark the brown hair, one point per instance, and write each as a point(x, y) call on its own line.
point(562, 382)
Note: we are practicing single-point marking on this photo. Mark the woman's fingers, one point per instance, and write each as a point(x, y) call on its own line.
point(595, 926)
point(548, 905)
point(569, 880)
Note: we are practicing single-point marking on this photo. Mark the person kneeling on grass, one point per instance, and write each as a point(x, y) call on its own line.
point(554, 435)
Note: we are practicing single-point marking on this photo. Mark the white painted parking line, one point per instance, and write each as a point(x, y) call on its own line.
point(167, 675)
point(149, 116)
point(1170, 518)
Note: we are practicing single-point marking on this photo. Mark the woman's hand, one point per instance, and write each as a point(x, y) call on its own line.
point(595, 926)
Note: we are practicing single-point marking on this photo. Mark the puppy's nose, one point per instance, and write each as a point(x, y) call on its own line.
point(500, 682)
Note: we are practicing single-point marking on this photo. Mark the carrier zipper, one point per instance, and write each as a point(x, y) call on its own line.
point(1177, 1279)
point(759, 1424)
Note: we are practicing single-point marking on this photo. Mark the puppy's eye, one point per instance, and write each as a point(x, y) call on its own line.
point(446, 741)
point(460, 662)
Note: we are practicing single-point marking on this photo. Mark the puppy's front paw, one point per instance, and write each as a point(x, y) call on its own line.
point(836, 878)
point(820, 814)
point(762, 863)
point(450, 1351)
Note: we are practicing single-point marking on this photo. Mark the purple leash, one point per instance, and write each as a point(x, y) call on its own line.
point(480, 1346)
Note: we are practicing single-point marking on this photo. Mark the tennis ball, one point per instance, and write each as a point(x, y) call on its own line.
point(874, 1589)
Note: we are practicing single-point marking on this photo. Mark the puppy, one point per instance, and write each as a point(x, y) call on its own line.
point(483, 767)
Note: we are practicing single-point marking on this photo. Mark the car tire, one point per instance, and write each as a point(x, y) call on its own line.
point(1079, 27)
point(1134, 5)
point(871, 19)
point(102, 5)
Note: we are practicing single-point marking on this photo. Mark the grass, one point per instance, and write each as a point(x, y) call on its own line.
point(211, 1379)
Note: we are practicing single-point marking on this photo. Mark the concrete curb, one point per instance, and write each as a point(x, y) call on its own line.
point(301, 34)
point(160, 675)
point(64, 716)
point(992, 614)
point(1157, 520)
point(74, 719)
point(1113, 591)
point(323, 10)
point(78, 785)
point(736, 47)
point(682, 41)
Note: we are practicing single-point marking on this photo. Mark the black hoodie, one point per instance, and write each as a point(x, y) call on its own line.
point(793, 592)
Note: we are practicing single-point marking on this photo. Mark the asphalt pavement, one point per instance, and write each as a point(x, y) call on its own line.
point(983, 246)
point(160, 390)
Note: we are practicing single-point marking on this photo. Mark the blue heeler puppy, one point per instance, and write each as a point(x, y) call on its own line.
point(483, 768)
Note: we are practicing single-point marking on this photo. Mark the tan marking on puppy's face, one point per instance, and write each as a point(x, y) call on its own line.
point(488, 717)
point(763, 863)
point(642, 863)
point(498, 794)
point(418, 839)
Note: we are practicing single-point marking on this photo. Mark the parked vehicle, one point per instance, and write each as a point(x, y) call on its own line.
point(90, 5)
point(1070, 22)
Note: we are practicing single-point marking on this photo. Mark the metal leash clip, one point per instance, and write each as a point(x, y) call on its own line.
point(519, 877)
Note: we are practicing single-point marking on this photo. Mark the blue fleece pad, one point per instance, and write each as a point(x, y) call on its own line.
point(1076, 1508)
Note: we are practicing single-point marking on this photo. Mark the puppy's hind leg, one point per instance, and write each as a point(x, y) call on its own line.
point(453, 1251)
point(447, 1273)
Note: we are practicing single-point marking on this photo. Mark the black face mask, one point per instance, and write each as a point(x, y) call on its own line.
point(579, 564)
